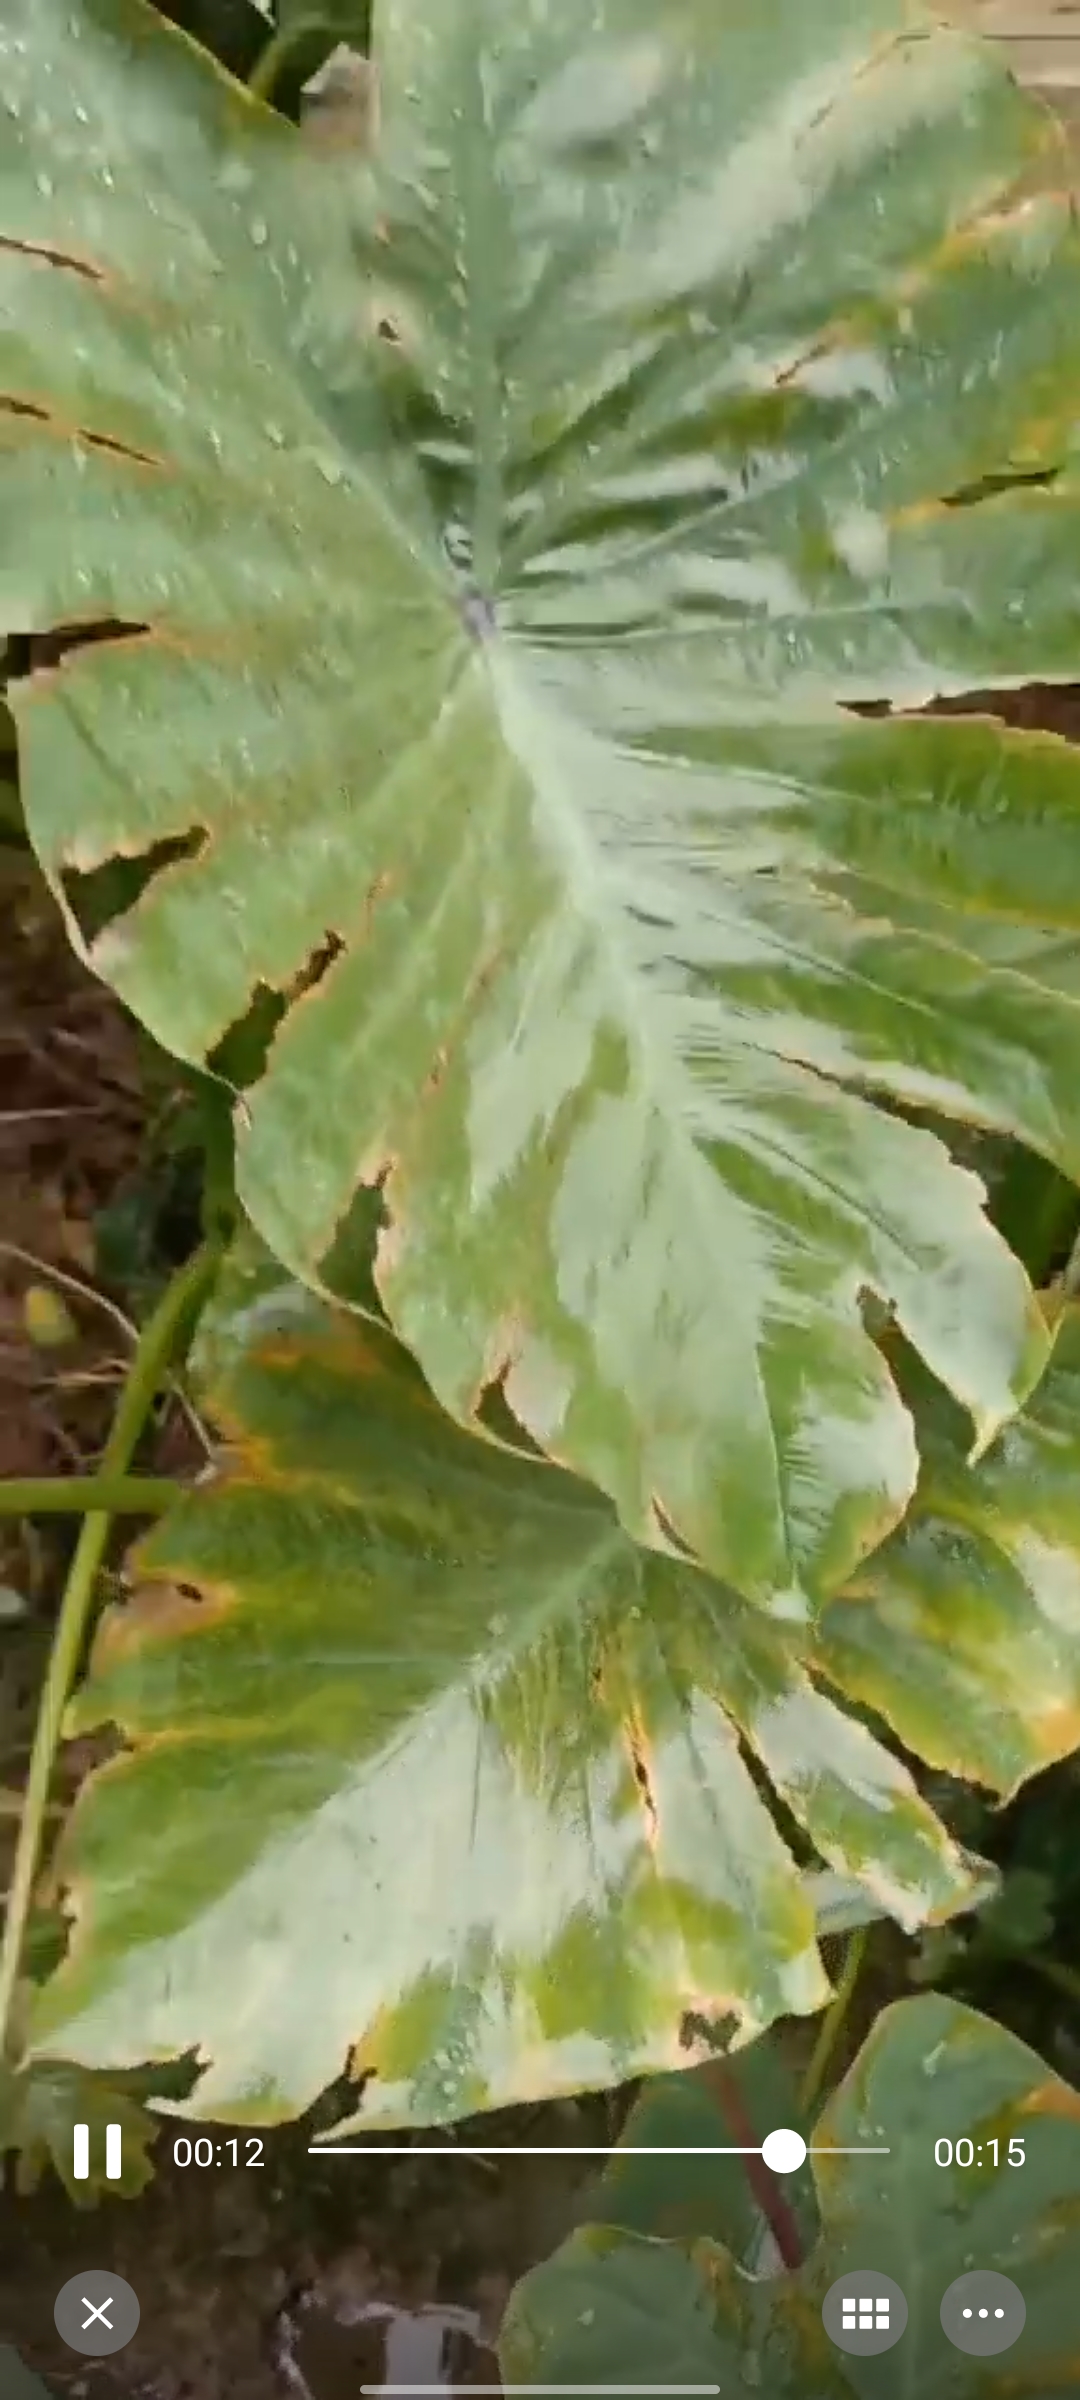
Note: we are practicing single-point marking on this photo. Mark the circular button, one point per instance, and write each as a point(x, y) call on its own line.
point(96, 2313)
point(864, 2313)
point(983, 2313)
point(783, 2151)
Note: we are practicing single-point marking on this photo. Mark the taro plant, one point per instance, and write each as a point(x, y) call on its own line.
point(476, 600)
point(672, 2277)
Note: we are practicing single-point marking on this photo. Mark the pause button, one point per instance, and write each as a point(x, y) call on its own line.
point(114, 2152)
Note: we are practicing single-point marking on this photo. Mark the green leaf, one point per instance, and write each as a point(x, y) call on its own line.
point(512, 527)
point(840, 1904)
point(16, 2380)
point(1020, 1917)
point(964, 1630)
point(736, 2100)
point(939, 1955)
point(40, 2103)
point(1015, 1921)
point(347, 20)
point(427, 1766)
point(609, 2305)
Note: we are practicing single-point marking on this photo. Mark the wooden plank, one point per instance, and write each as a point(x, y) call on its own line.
point(1040, 42)
point(1048, 66)
point(1013, 20)
point(1012, 17)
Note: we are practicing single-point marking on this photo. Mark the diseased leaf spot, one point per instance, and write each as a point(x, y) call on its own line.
point(990, 486)
point(80, 434)
point(436, 1073)
point(643, 1780)
point(51, 257)
point(383, 883)
point(318, 966)
point(672, 1539)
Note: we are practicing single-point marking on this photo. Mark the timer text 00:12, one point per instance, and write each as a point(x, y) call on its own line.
point(205, 2153)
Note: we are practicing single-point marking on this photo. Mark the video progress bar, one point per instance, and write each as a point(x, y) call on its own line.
point(555, 2391)
point(374, 2148)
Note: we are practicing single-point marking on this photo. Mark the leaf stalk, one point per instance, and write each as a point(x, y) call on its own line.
point(162, 1340)
point(82, 1495)
point(832, 2022)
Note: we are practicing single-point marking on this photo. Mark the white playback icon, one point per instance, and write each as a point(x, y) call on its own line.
point(114, 2142)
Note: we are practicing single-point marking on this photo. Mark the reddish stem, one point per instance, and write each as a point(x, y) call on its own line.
point(777, 2211)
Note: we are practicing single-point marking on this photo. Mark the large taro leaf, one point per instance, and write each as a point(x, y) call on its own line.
point(964, 1629)
point(429, 1766)
point(613, 2305)
point(501, 532)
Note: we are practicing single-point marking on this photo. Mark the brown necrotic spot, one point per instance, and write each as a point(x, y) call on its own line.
point(315, 968)
point(667, 1531)
point(50, 256)
point(84, 436)
point(643, 1780)
point(436, 1074)
point(990, 486)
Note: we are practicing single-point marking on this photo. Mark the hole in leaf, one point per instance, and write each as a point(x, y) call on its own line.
point(715, 2032)
point(348, 1270)
point(241, 1055)
point(36, 653)
point(97, 896)
point(1022, 479)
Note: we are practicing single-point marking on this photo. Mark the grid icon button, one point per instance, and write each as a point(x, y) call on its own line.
point(864, 2312)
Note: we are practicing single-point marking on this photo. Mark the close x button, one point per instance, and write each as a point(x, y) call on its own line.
point(96, 2313)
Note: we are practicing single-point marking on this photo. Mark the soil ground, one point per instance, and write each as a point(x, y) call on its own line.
point(257, 2283)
